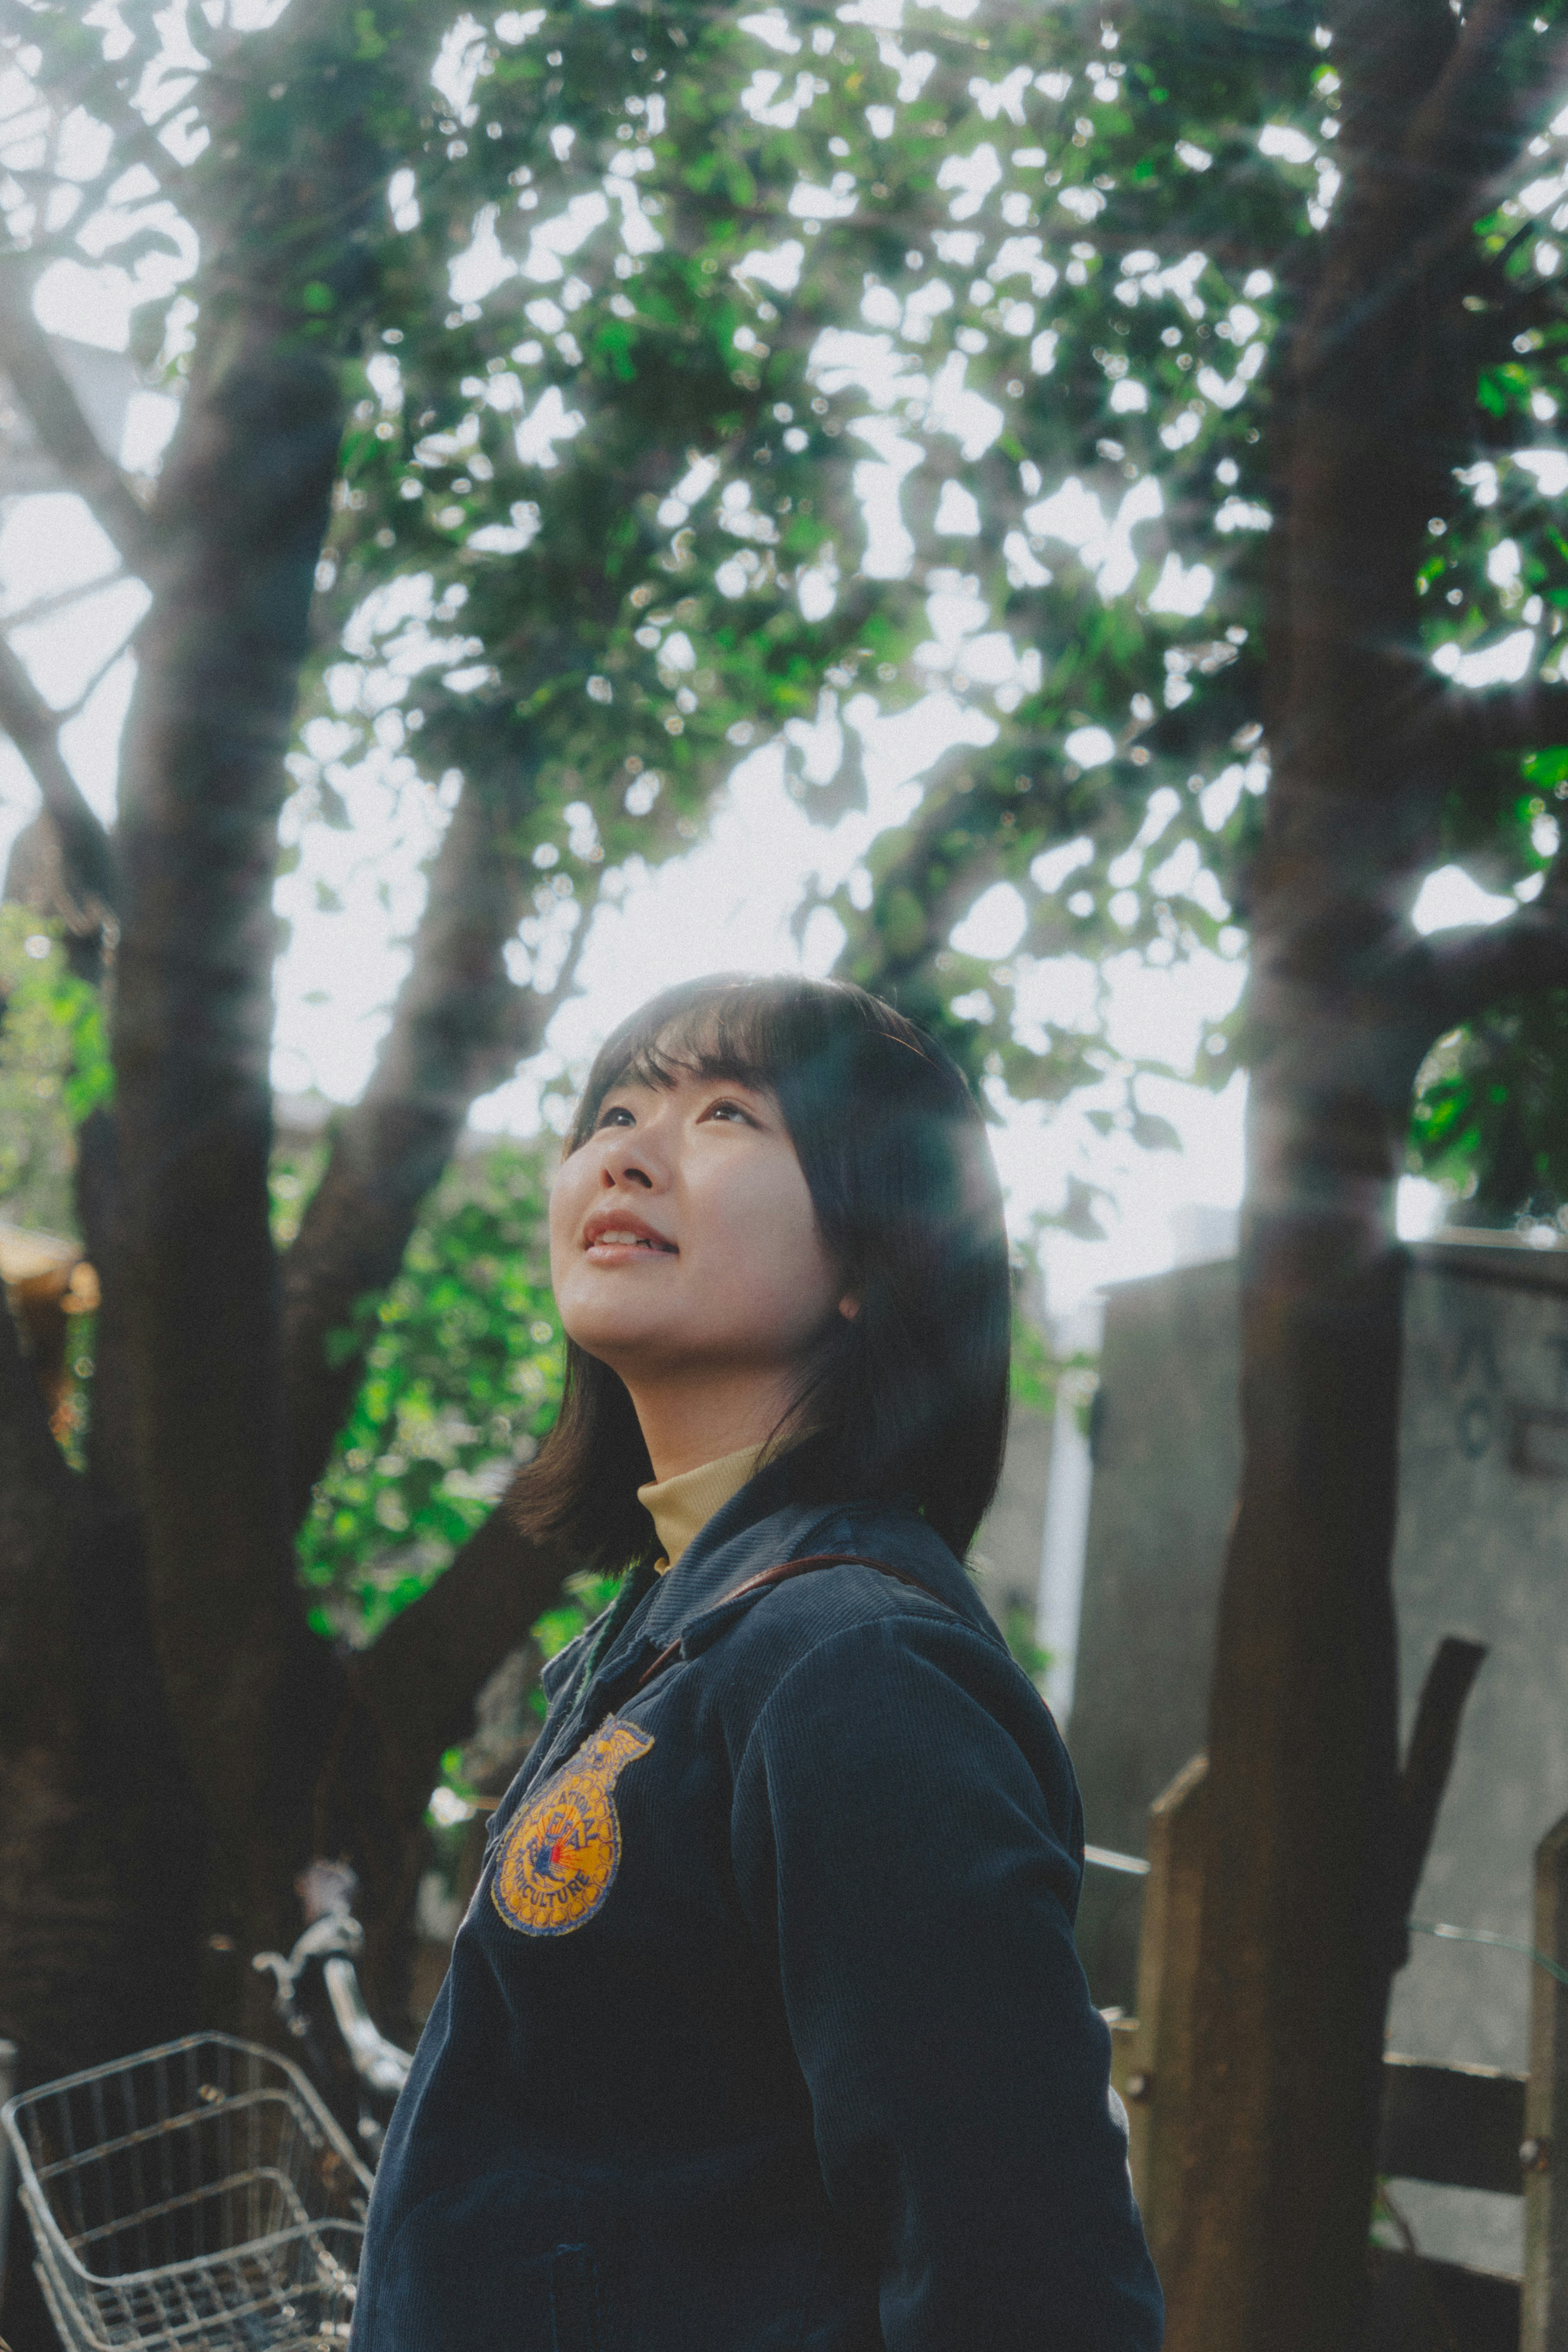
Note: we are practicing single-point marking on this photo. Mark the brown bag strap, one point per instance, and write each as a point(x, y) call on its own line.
point(780, 1573)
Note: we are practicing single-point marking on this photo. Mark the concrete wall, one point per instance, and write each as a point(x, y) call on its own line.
point(1482, 1550)
point(1166, 1455)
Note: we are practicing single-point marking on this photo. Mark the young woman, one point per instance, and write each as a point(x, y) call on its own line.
point(765, 2028)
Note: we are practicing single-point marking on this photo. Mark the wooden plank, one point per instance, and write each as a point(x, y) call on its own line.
point(1460, 2125)
point(1544, 2319)
point(1124, 2048)
point(1157, 2080)
point(1417, 2304)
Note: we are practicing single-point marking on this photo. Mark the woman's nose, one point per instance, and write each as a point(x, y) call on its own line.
point(636, 1160)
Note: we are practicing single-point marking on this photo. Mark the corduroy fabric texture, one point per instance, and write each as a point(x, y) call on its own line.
point(765, 2031)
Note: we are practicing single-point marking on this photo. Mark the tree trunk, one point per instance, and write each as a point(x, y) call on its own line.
point(243, 505)
point(100, 1841)
point(1297, 1950)
point(1299, 1935)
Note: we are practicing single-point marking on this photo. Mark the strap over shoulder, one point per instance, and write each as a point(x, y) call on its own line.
point(780, 1573)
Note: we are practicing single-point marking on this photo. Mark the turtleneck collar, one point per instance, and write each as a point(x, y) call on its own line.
point(681, 1507)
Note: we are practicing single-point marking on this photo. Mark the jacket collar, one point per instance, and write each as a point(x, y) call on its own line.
point(699, 1579)
point(764, 1521)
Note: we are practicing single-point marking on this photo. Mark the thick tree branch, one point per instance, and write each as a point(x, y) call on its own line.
point(1469, 121)
point(1460, 724)
point(1471, 134)
point(98, 1931)
point(60, 423)
point(86, 858)
point(1432, 129)
point(1389, 61)
point(418, 1682)
point(460, 1027)
point(1444, 982)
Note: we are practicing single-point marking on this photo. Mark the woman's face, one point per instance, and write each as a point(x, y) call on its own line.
point(684, 1240)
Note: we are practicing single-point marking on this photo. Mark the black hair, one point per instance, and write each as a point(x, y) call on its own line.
point(909, 1398)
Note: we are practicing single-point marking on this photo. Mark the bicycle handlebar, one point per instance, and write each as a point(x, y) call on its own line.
point(335, 1939)
point(379, 2063)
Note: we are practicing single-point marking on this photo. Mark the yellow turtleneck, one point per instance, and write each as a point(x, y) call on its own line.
point(680, 1508)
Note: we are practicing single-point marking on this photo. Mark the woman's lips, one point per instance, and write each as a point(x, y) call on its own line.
point(611, 1240)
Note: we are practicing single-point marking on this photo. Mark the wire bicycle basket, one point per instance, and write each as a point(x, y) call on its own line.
point(198, 2196)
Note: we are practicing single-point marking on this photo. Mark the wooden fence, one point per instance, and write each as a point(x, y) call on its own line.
point(1465, 2127)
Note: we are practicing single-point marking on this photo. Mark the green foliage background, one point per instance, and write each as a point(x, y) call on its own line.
point(463, 1378)
point(1029, 253)
point(54, 1070)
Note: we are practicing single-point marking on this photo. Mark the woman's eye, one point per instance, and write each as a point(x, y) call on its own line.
point(731, 1110)
point(618, 1116)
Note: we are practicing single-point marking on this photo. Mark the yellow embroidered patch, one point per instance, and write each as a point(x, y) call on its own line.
point(558, 1859)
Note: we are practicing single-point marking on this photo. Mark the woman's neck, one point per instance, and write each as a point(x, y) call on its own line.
point(687, 1424)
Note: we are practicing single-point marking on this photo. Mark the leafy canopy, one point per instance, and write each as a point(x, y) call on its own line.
point(893, 384)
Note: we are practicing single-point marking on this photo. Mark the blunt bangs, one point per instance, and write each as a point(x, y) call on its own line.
point(759, 1033)
point(909, 1398)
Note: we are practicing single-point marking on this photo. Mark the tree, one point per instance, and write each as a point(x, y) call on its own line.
point(1249, 316)
point(177, 1738)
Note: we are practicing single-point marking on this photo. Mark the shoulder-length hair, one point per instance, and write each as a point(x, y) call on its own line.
point(909, 1398)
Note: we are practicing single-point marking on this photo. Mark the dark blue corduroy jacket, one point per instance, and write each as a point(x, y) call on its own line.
point(765, 2031)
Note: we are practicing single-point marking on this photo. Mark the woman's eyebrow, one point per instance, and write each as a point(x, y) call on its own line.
point(761, 1095)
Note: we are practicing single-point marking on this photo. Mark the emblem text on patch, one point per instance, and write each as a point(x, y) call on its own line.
point(558, 1859)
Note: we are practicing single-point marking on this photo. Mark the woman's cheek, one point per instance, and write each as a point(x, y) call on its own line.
point(565, 1218)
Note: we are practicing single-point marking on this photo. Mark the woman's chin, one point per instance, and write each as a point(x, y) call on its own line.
point(624, 1342)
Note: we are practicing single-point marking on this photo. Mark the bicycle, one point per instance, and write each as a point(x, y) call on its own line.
point(203, 2196)
point(377, 2069)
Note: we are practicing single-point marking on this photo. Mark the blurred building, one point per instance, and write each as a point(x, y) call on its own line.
point(1482, 1551)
